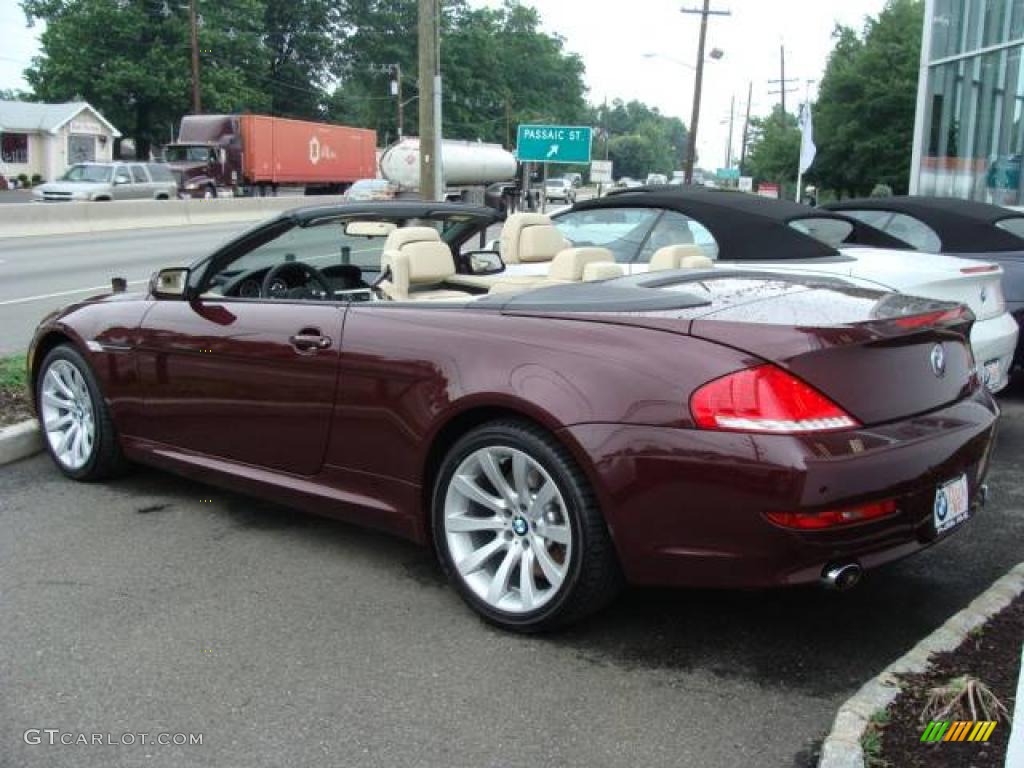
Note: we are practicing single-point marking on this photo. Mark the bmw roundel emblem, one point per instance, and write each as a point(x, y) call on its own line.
point(984, 294)
point(938, 360)
point(520, 526)
point(941, 506)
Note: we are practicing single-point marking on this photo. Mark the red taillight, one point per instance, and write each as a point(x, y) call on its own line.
point(833, 518)
point(979, 269)
point(766, 399)
point(941, 317)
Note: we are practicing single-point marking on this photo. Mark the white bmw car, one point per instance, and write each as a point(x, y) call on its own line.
point(752, 233)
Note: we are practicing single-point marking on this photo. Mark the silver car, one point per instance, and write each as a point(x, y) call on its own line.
point(110, 181)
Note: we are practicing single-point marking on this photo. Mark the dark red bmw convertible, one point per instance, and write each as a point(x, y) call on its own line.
point(691, 426)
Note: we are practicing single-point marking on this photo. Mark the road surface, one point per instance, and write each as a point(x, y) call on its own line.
point(158, 605)
point(41, 274)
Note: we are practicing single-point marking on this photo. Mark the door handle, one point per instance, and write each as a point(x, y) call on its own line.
point(310, 342)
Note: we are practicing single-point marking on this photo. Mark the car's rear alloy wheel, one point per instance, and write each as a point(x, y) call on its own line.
point(518, 529)
point(79, 432)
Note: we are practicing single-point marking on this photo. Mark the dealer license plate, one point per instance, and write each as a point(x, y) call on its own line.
point(952, 504)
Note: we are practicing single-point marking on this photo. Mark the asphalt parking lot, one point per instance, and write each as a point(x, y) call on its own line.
point(155, 605)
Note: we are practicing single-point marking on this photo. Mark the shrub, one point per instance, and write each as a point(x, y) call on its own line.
point(36, 179)
point(881, 190)
point(22, 180)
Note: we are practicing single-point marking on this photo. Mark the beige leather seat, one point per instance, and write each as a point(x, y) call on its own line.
point(680, 257)
point(570, 265)
point(419, 262)
point(526, 238)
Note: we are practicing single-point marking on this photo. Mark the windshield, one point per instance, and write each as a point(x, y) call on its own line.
point(185, 154)
point(91, 173)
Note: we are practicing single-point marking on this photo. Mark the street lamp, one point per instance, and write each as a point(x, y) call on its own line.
point(698, 78)
point(713, 55)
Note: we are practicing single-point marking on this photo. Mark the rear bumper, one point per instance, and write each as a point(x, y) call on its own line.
point(686, 507)
point(996, 339)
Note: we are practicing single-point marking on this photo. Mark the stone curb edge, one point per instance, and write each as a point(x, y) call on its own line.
point(19, 441)
point(842, 747)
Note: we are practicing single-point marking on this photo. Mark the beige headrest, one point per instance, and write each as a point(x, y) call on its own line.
point(680, 257)
point(602, 270)
point(540, 243)
point(530, 237)
point(569, 264)
point(428, 262)
point(405, 235)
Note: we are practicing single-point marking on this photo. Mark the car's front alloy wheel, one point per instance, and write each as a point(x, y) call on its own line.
point(67, 415)
point(79, 431)
point(518, 530)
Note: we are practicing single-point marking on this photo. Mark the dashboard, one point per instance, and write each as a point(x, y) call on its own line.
point(294, 282)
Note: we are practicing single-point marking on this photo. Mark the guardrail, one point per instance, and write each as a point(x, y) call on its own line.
point(37, 219)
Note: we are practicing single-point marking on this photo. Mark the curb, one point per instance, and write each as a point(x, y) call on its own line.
point(19, 441)
point(842, 747)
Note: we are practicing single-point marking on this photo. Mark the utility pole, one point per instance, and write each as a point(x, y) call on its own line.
point(397, 69)
point(782, 82)
point(746, 127)
point(728, 145)
point(431, 176)
point(197, 102)
point(691, 144)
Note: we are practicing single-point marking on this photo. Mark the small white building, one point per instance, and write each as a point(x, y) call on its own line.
point(45, 139)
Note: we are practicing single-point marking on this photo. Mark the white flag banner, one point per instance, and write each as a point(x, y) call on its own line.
point(807, 148)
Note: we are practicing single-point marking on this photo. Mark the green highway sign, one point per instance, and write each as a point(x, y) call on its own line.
point(728, 174)
point(553, 144)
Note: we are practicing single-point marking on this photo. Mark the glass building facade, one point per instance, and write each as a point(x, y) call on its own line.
point(969, 134)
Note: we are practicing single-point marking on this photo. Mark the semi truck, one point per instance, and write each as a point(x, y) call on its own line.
point(474, 172)
point(254, 154)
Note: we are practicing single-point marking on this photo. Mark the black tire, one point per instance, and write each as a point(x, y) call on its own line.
point(593, 578)
point(107, 459)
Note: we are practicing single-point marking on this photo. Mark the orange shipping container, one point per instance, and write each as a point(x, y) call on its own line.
point(281, 151)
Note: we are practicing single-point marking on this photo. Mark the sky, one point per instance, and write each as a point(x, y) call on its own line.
point(613, 36)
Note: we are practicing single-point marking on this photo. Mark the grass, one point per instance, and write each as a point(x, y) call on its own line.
point(12, 372)
point(871, 741)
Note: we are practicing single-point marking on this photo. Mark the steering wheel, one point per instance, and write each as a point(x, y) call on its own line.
point(311, 273)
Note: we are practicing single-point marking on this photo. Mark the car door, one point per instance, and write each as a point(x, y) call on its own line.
point(143, 186)
point(123, 188)
point(246, 379)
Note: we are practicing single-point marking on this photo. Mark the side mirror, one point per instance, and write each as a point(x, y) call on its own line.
point(170, 283)
point(485, 263)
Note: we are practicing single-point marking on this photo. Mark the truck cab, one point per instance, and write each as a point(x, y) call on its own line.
point(206, 158)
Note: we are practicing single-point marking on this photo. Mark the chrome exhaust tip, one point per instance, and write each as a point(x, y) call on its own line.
point(841, 577)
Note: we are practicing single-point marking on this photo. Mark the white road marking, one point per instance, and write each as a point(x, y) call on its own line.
point(44, 296)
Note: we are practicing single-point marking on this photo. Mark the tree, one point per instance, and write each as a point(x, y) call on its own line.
point(774, 149)
point(300, 41)
point(486, 54)
point(864, 118)
point(640, 139)
point(130, 59)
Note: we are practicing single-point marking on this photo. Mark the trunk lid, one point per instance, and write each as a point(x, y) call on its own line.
point(947, 278)
point(880, 356)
